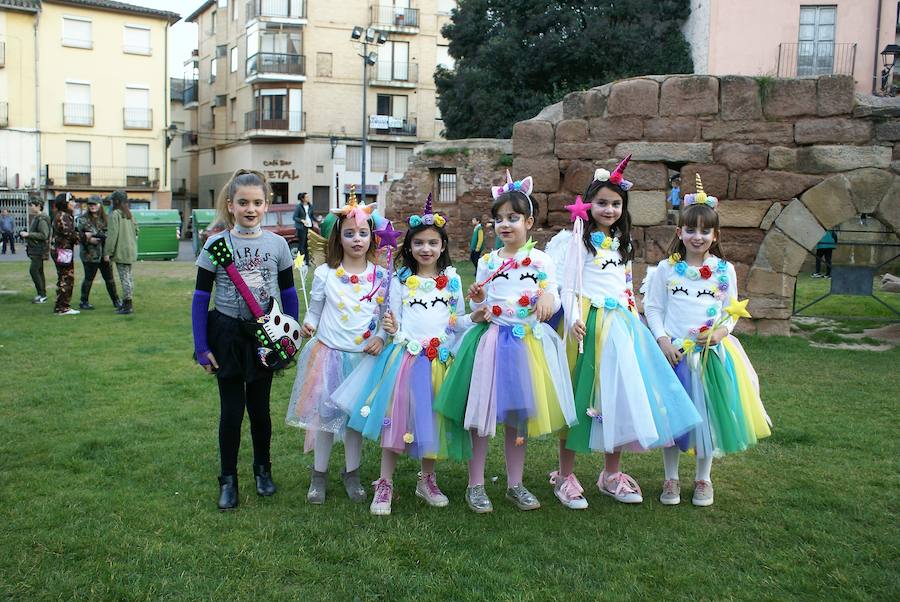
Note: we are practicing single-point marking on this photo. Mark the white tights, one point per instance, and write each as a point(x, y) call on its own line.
point(670, 461)
point(352, 450)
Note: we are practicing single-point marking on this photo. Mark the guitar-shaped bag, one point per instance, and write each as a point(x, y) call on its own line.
point(276, 334)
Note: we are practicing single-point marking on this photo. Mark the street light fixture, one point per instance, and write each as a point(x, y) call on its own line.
point(364, 37)
point(888, 59)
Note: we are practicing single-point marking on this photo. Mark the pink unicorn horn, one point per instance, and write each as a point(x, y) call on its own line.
point(620, 168)
point(509, 179)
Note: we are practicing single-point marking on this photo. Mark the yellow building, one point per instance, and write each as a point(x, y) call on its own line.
point(281, 90)
point(102, 91)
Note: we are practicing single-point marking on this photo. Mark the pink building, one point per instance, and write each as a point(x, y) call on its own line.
point(792, 38)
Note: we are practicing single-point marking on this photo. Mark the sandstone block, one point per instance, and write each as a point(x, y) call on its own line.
point(545, 172)
point(882, 107)
point(825, 159)
point(741, 245)
point(888, 130)
point(691, 95)
point(759, 132)
point(571, 130)
point(741, 157)
point(776, 185)
point(830, 201)
point(616, 129)
point(800, 224)
point(771, 307)
point(573, 105)
point(634, 97)
point(581, 150)
point(740, 98)
point(771, 215)
point(540, 203)
point(644, 176)
point(833, 129)
point(742, 214)
point(834, 95)
point(690, 152)
point(557, 201)
point(766, 282)
point(888, 211)
point(780, 328)
point(595, 101)
point(647, 208)
point(656, 243)
point(781, 254)
point(578, 175)
point(532, 138)
point(783, 158)
point(791, 98)
point(672, 129)
point(868, 187)
point(714, 177)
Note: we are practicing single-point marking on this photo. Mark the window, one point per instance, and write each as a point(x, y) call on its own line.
point(213, 156)
point(212, 118)
point(223, 3)
point(212, 70)
point(401, 158)
point(137, 172)
point(212, 25)
point(446, 187)
point(137, 107)
point(324, 62)
point(234, 11)
point(77, 109)
point(136, 40)
point(234, 59)
point(815, 48)
point(221, 51)
point(77, 32)
point(393, 62)
point(444, 59)
point(354, 158)
point(379, 158)
point(445, 7)
point(232, 110)
point(78, 163)
point(391, 111)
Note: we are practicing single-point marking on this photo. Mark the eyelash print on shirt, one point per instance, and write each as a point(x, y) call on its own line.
point(679, 289)
point(437, 300)
point(710, 293)
point(418, 302)
point(611, 262)
point(502, 275)
point(528, 275)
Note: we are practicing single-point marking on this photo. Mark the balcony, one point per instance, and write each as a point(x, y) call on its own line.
point(386, 126)
point(189, 139)
point(387, 74)
point(287, 12)
point(100, 177)
point(137, 119)
point(4, 114)
point(395, 18)
point(78, 114)
point(275, 124)
point(189, 96)
point(272, 66)
point(811, 59)
point(2, 55)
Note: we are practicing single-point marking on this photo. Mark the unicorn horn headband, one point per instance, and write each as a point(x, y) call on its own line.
point(428, 217)
point(525, 186)
point(700, 197)
point(616, 177)
point(359, 212)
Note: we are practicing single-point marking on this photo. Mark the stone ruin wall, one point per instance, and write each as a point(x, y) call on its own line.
point(787, 158)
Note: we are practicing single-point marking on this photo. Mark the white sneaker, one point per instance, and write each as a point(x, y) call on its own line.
point(381, 502)
point(671, 493)
point(39, 299)
point(620, 487)
point(68, 312)
point(703, 493)
point(428, 490)
point(569, 491)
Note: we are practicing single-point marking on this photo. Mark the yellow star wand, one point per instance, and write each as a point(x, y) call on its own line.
point(300, 265)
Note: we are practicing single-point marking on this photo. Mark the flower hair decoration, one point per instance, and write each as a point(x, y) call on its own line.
point(525, 186)
point(428, 217)
point(616, 177)
point(353, 209)
point(700, 197)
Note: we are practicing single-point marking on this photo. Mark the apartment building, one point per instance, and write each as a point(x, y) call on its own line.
point(792, 38)
point(280, 89)
point(183, 162)
point(88, 97)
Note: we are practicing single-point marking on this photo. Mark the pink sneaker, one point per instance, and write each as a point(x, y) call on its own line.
point(620, 487)
point(381, 503)
point(428, 490)
point(569, 491)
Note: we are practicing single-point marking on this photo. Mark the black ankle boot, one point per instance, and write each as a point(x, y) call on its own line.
point(264, 484)
point(228, 492)
point(126, 308)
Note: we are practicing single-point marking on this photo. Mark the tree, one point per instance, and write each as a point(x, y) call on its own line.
point(514, 57)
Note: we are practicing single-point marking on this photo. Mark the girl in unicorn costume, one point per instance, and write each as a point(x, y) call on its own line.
point(625, 395)
point(389, 398)
point(691, 306)
point(347, 327)
point(512, 369)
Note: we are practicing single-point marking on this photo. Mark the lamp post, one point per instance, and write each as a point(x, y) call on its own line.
point(888, 59)
point(365, 37)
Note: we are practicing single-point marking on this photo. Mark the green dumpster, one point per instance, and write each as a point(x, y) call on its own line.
point(158, 238)
point(200, 221)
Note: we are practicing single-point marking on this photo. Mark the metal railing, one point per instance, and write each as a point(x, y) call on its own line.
point(189, 139)
point(61, 175)
point(395, 16)
point(4, 114)
point(284, 9)
point(288, 121)
point(78, 114)
point(393, 127)
point(387, 71)
point(276, 63)
point(137, 119)
point(189, 94)
point(806, 59)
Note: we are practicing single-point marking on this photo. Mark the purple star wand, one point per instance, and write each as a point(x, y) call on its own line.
point(387, 237)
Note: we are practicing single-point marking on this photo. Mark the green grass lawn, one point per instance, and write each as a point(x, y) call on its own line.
point(844, 307)
point(108, 464)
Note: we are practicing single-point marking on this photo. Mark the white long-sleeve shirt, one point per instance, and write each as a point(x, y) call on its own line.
point(337, 311)
point(681, 299)
point(513, 295)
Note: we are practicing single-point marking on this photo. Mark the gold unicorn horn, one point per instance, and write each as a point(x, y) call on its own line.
point(699, 182)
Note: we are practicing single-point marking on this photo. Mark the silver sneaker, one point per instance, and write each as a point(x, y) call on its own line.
point(703, 493)
point(352, 484)
point(478, 500)
point(671, 493)
point(522, 498)
point(317, 484)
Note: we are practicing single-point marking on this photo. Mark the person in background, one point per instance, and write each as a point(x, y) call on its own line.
point(65, 237)
point(824, 248)
point(37, 246)
point(303, 222)
point(121, 246)
point(8, 231)
point(675, 192)
point(476, 246)
point(91, 226)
